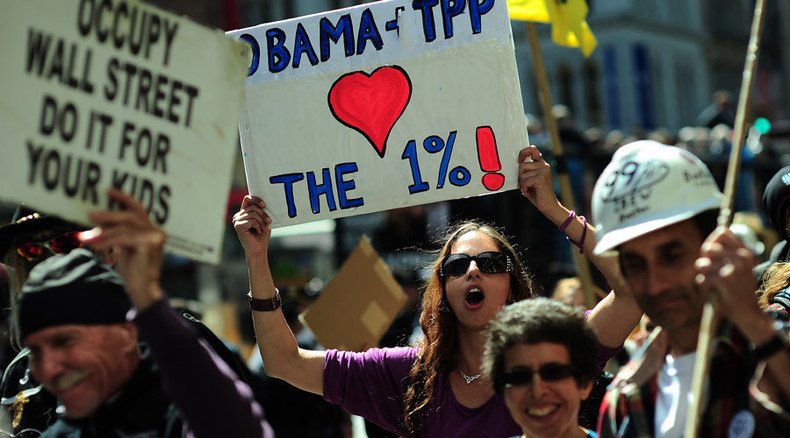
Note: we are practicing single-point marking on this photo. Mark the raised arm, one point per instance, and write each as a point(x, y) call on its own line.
point(726, 269)
point(211, 398)
point(282, 356)
point(615, 316)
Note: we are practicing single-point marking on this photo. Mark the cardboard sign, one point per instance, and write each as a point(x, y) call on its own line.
point(364, 296)
point(382, 105)
point(101, 94)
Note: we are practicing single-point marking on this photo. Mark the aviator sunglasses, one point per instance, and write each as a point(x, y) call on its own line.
point(60, 244)
point(489, 262)
point(550, 372)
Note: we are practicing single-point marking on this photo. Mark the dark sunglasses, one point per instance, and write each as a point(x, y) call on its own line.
point(489, 262)
point(550, 372)
point(60, 244)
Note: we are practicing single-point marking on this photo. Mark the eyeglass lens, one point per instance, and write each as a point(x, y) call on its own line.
point(60, 244)
point(489, 262)
point(550, 372)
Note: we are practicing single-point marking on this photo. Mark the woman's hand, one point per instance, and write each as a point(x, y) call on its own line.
point(534, 180)
point(252, 225)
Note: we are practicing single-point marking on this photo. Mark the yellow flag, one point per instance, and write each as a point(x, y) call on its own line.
point(528, 10)
point(569, 26)
point(568, 20)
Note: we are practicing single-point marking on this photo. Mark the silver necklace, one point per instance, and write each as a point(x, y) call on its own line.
point(468, 379)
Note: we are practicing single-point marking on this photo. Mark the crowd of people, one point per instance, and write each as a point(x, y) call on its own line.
point(104, 353)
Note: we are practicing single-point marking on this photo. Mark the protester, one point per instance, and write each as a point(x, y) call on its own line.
point(72, 315)
point(774, 292)
point(775, 200)
point(437, 389)
point(30, 238)
point(657, 206)
point(569, 291)
point(719, 112)
point(540, 356)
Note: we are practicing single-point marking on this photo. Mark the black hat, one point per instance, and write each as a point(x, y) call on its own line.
point(73, 288)
point(776, 197)
point(27, 221)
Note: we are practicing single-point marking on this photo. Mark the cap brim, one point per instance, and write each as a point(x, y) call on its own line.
point(10, 232)
point(613, 239)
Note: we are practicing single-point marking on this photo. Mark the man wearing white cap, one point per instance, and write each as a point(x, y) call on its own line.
point(657, 207)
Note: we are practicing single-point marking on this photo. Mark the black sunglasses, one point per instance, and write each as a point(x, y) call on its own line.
point(489, 262)
point(60, 244)
point(550, 372)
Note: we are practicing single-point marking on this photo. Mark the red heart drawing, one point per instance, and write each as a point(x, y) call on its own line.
point(371, 104)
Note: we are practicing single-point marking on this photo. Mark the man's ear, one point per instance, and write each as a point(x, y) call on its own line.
point(128, 333)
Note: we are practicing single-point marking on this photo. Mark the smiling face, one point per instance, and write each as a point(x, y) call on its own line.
point(475, 296)
point(543, 408)
point(83, 365)
point(659, 269)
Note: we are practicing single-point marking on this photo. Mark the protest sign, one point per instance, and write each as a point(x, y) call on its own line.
point(382, 105)
point(364, 295)
point(100, 94)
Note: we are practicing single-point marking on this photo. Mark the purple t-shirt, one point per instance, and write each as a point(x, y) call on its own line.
point(372, 385)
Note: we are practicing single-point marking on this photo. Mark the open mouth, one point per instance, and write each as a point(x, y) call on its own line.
point(474, 297)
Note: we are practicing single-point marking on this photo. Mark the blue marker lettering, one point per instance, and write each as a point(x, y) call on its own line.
point(368, 31)
point(428, 25)
point(302, 45)
point(344, 28)
point(344, 186)
point(287, 180)
point(279, 56)
point(316, 190)
point(450, 9)
point(476, 10)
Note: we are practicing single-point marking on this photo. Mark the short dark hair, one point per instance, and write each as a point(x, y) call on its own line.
point(706, 222)
point(535, 321)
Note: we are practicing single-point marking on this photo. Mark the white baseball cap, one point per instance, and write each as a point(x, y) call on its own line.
point(648, 186)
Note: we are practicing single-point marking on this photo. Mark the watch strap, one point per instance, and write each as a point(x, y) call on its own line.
point(267, 304)
point(769, 348)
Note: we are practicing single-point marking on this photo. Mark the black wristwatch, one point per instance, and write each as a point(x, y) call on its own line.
point(266, 305)
point(777, 343)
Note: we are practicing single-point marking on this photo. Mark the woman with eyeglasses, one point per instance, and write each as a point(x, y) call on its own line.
point(540, 357)
point(438, 388)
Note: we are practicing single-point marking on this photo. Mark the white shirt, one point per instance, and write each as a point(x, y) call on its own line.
point(674, 393)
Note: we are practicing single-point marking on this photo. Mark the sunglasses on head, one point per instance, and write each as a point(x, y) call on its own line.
point(489, 262)
point(550, 372)
point(60, 244)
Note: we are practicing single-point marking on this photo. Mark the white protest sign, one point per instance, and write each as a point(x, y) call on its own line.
point(100, 94)
point(382, 105)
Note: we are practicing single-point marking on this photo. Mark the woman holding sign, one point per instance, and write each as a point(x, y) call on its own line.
point(437, 389)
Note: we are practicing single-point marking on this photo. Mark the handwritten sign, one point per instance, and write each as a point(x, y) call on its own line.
point(100, 94)
point(382, 105)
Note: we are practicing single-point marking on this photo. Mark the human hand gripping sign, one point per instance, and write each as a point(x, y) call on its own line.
point(374, 122)
point(136, 243)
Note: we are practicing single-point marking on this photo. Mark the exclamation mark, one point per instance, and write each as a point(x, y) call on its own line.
point(489, 159)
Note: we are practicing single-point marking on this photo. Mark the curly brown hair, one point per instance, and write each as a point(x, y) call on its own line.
point(536, 321)
point(439, 349)
point(775, 278)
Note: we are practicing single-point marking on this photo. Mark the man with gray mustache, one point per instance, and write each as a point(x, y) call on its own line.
point(74, 315)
